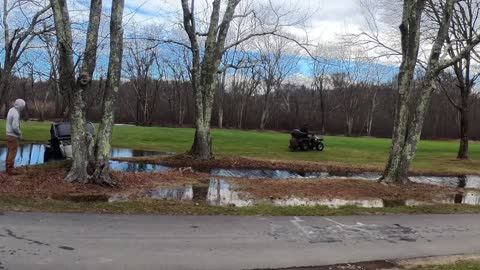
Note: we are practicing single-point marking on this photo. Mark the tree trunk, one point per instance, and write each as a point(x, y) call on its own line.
point(221, 95)
point(264, 118)
point(371, 113)
point(322, 110)
point(396, 170)
point(82, 141)
point(220, 117)
point(5, 85)
point(349, 123)
point(202, 144)
point(203, 72)
point(240, 116)
point(407, 131)
point(101, 165)
point(241, 111)
point(464, 125)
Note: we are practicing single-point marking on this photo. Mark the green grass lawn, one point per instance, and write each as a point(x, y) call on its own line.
point(431, 155)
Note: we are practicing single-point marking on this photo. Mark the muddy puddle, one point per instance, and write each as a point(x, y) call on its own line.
point(33, 154)
point(223, 193)
point(172, 193)
point(284, 174)
point(464, 181)
point(220, 192)
point(160, 193)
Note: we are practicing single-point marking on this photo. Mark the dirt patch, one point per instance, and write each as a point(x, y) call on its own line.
point(373, 265)
point(345, 189)
point(38, 182)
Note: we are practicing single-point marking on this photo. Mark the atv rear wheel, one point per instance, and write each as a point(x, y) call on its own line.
point(304, 146)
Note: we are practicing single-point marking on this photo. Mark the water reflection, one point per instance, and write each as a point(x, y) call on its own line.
point(27, 154)
point(471, 198)
point(345, 175)
point(33, 154)
point(449, 181)
point(284, 174)
point(331, 203)
point(464, 181)
point(221, 193)
point(172, 193)
point(160, 193)
point(136, 166)
point(126, 152)
point(245, 173)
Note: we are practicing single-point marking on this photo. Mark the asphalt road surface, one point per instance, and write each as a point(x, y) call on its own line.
point(79, 241)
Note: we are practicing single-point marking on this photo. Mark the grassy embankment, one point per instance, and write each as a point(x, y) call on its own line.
point(431, 155)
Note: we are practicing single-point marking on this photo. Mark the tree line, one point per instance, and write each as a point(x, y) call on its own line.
point(370, 106)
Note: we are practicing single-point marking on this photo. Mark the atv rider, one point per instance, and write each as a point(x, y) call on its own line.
point(305, 129)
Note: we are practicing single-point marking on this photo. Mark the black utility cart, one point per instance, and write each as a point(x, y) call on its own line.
point(59, 146)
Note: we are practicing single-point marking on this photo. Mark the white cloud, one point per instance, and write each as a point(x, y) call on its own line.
point(328, 19)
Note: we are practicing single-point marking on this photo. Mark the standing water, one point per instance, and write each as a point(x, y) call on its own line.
point(33, 154)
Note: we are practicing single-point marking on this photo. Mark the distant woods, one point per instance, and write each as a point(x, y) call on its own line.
point(154, 101)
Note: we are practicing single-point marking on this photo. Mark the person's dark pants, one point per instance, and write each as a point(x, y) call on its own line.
point(12, 146)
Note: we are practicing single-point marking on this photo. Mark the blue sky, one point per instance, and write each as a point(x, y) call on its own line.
point(330, 20)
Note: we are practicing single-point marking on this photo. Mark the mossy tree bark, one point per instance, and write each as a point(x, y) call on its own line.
point(205, 68)
point(409, 123)
point(83, 144)
point(101, 174)
point(82, 141)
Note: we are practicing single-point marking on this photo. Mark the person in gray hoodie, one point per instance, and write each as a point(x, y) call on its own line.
point(13, 134)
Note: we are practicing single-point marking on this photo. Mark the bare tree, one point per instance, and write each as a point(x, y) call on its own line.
point(61, 98)
point(372, 97)
point(141, 55)
point(205, 69)
point(207, 49)
point(352, 72)
point(409, 123)
point(245, 84)
point(81, 139)
point(179, 85)
point(465, 22)
point(18, 36)
point(103, 140)
point(277, 61)
point(82, 142)
point(320, 71)
point(39, 94)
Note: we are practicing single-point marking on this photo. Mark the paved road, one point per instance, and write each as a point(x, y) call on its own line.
point(76, 241)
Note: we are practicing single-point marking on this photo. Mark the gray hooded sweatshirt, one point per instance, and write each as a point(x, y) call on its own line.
point(13, 119)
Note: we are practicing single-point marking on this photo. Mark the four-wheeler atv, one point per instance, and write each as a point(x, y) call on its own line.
point(305, 141)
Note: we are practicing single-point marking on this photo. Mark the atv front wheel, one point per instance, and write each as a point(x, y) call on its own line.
point(320, 146)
